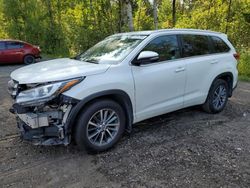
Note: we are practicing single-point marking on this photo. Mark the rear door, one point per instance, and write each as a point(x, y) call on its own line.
point(197, 52)
point(14, 52)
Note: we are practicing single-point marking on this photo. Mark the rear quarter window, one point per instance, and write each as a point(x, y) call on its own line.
point(219, 45)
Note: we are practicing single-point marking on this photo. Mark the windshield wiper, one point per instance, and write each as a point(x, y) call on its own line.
point(88, 60)
point(92, 61)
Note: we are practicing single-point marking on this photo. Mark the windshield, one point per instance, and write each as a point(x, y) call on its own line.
point(111, 50)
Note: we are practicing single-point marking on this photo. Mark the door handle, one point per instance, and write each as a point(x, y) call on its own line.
point(214, 61)
point(179, 69)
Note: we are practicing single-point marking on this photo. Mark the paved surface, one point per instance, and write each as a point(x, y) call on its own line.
point(187, 148)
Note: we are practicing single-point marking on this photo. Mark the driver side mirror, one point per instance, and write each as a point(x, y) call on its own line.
point(146, 57)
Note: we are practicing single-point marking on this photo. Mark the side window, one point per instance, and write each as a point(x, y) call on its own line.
point(165, 46)
point(195, 45)
point(219, 45)
point(14, 45)
point(2, 45)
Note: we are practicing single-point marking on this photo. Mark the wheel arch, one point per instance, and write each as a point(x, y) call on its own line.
point(28, 54)
point(119, 96)
point(229, 78)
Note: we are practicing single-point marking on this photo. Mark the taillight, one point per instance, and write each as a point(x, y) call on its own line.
point(237, 56)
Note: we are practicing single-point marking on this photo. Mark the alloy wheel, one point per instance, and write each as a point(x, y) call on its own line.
point(220, 96)
point(103, 127)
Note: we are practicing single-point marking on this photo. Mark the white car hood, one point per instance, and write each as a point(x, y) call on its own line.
point(55, 70)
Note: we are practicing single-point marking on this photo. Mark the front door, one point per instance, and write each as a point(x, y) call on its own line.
point(159, 86)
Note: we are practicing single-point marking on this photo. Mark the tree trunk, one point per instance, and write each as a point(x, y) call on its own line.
point(110, 13)
point(120, 16)
point(228, 14)
point(209, 16)
point(182, 7)
point(92, 14)
point(155, 14)
point(173, 12)
point(52, 25)
point(130, 15)
point(139, 16)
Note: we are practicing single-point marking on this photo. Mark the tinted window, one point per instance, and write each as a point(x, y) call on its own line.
point(14, 45)
point(219, 45)
point(2, 45)
point(165, 46)
point(195, 45)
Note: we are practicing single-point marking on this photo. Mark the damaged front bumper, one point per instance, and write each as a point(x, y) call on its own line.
point(43, 125)
point(42, 110)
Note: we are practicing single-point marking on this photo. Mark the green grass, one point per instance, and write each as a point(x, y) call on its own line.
point(244, 78)
point(244, 65)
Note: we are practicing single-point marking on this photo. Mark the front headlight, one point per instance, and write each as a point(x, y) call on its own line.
point(45, 93)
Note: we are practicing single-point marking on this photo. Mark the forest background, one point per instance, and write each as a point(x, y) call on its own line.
point(66, 27)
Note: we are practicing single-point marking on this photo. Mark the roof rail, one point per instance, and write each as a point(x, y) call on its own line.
point(193, 30)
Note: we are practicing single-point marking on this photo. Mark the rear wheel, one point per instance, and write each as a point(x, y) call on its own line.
point(29, 59)
point(217, 97)
point(100, 126)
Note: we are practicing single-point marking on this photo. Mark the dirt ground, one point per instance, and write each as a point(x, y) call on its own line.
point(187, 148)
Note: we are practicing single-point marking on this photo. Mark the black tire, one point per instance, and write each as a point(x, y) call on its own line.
point(210, 106)
point(82, 128)
point(29, 59)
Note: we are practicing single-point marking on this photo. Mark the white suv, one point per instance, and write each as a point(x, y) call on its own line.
point(124, 79)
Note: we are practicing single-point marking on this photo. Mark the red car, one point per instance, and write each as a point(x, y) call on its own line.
point(15, 51)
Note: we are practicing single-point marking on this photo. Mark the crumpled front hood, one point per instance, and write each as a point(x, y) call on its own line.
point(55, 70)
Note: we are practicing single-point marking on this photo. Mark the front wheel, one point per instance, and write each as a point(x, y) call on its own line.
point(217, 97)
point(100, 126)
